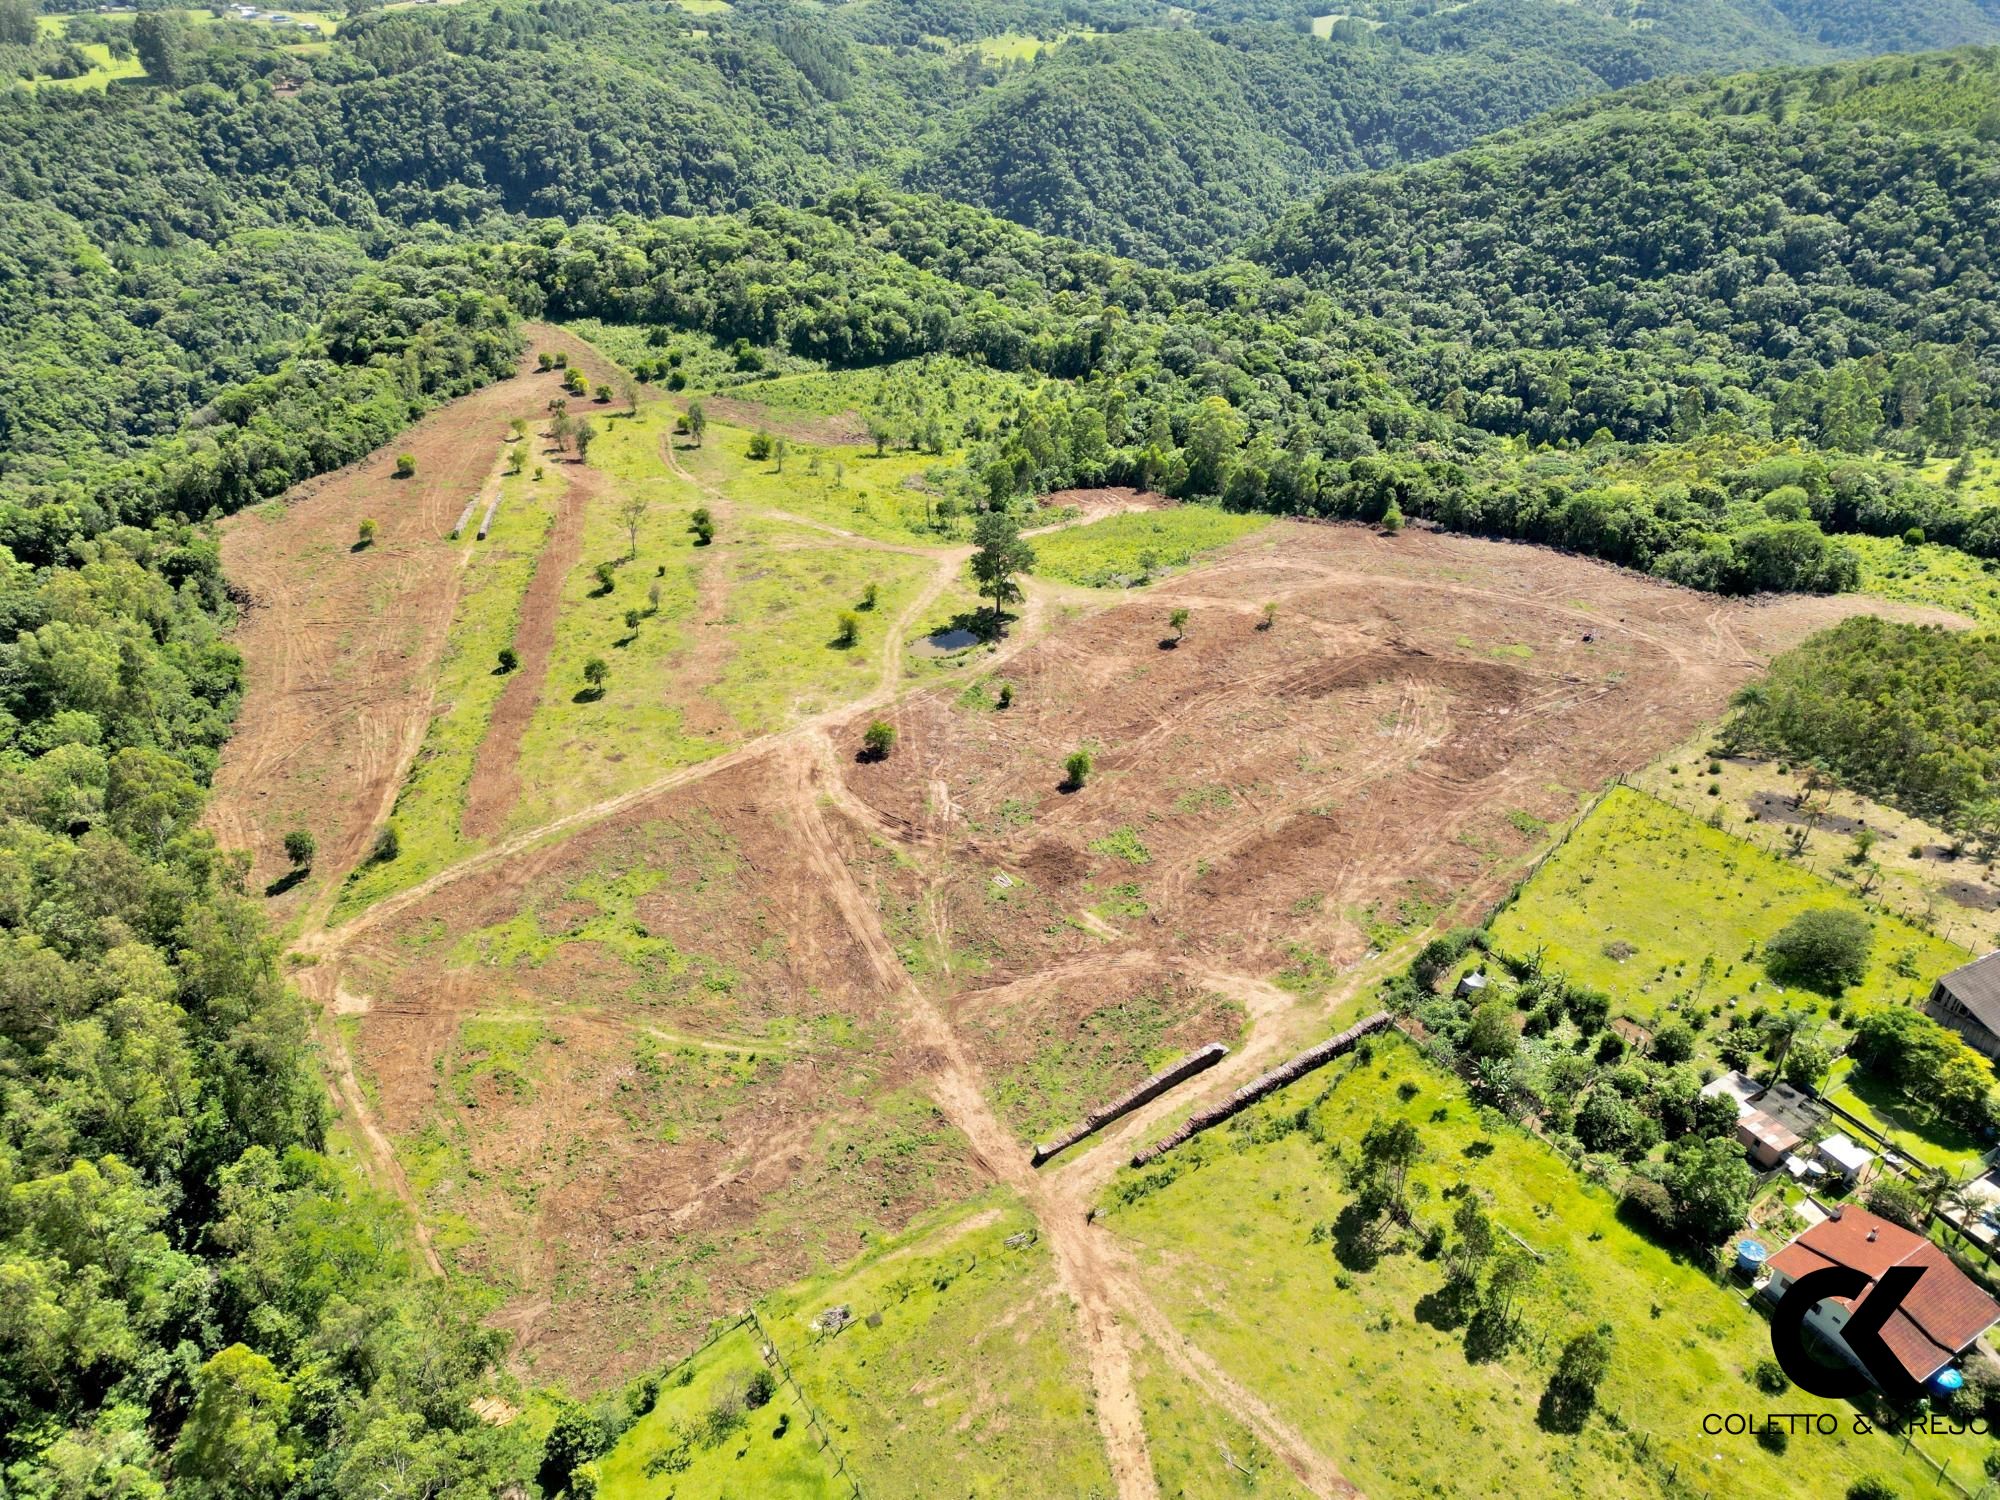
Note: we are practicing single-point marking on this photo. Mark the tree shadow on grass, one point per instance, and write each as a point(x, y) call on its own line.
point(286, 881)
point(1357, 1237)
point(587, 695)
point(1487, 1336)
point(1564, 1408)
point(1450, 1305)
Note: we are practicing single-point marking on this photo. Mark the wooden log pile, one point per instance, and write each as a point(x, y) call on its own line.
point(1266, 1083)
point(1174, 1072)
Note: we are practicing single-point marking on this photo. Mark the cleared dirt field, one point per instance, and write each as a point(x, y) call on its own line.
point(648, 1034)
point(644, 1075)
point(341, 646)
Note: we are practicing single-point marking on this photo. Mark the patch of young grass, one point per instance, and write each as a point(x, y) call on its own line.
point(431, 803)
point(704, 1437)
point(1928, 574)
point(1243, 1234)
point(1122, 550)
point(971, 1368)
point(579, 746)
point(1199, 1451)
point(1079, 1065)
point(786, 596)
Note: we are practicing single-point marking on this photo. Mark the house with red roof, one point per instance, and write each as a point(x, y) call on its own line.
point(1940, 1318)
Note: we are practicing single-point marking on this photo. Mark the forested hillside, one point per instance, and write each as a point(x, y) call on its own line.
point(1659, 261)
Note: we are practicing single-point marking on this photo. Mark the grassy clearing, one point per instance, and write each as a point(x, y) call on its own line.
point(583, 745)
point(786, 598)
point(1929, 574)
point(972, 1370)
point(431, 803)
point(845, 487)
point(1908, 853)
point(703, 1438)
point(703, 362)
point(1077, 1065)
point(1122, 550)
point(1644, 876)
point(1198, 1451)
point(959, 1360)
point(1274, 1303)
point(1935, 1143)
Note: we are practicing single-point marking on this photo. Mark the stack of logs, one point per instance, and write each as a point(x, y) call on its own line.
point(1131, 1099)
point(1257, 1088)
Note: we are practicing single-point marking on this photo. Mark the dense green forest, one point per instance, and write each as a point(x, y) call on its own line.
point(186, 1282)
point(1698, 328)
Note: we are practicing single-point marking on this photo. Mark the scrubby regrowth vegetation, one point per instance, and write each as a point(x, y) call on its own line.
point(1016, 545)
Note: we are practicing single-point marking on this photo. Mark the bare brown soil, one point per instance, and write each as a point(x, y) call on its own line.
point(706, 1113)
point(496, 780)
point(1096, 505)
point(341, 646)
point(689, 1043)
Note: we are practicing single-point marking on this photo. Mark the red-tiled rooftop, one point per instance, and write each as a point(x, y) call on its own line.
point(1943, 1312)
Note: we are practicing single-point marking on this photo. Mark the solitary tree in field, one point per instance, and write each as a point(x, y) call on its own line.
point(1392, 518)
point(517, 458)
point(1270, 615)
point(545, 361)
point(561, 425)
point(1076, 769)
point(697, 421)
point(406, 465)
point(509, 658)
point(585, 436)
point(629, 393)
point(1002, 557)
point(870, 594)
point(603, 393)
point(595, 672)
point(702, 524)
point(847, 629)
point(1179, 620)
point(760, 446)
point(518, 427)
point(781, 449)
point(632, 510)
point(879, 739)
point(300, 846)
point(366, 537)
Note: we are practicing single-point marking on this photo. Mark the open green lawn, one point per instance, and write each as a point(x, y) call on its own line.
point(960, 1365)
point(1934, 1142)
point(1248, 1256)
point(705, 1439)
point(1643, 876)
point(1131, 548)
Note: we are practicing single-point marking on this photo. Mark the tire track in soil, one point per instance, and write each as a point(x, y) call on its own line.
point(496, 765)
point(712, 646)
point(958, 1090)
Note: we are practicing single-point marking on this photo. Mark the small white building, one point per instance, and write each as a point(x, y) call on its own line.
point(1846, 1159)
